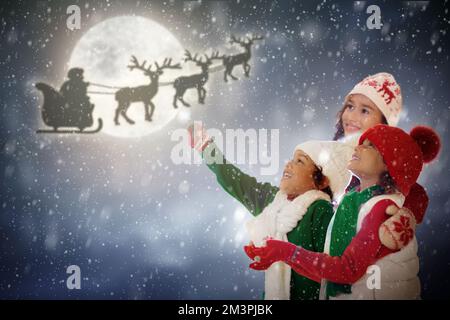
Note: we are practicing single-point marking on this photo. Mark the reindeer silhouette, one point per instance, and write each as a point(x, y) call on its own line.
point(126, 96)
point(181, 84)
point(386, 91)
point(239, 59)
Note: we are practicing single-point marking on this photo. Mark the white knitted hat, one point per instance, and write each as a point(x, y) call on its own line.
point(385, 92)
point(333, 157)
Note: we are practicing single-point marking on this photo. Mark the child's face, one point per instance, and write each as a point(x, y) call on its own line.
point(367, 162)
point(298, 174)
point(360, 114)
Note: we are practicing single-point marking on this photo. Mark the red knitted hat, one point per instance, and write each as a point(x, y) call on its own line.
point(404, 154)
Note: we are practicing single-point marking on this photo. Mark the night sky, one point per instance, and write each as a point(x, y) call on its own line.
point(141, 227)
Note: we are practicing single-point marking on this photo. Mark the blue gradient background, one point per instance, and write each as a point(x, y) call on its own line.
point(141, 227)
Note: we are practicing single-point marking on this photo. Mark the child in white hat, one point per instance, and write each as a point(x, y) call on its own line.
point(299, 213)
point(377, 99)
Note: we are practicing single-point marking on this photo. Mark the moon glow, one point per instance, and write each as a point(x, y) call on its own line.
point(104, 53)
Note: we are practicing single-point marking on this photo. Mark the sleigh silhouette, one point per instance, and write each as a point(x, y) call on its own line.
point(58, 113)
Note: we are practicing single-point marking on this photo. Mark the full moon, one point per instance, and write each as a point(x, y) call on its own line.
point(104, 52)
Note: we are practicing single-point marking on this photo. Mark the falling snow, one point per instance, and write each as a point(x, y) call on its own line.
point(140, 227)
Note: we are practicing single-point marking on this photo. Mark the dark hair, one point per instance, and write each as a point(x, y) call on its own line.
point(387, 183)
point(340, 128)
point(318, 178)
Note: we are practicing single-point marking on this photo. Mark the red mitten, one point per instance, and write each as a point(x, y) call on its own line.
point(397, 231)
point(250, 251)
point(198, 137)
point(254, 254)
point(275, 250)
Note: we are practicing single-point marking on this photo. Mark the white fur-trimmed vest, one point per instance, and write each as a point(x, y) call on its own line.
point(276, 221)
point(398, 271)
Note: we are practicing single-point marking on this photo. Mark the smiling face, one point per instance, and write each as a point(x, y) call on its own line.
point(360, 114)
point(366, 162)
point(298, 175)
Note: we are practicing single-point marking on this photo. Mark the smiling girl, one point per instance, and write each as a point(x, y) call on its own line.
point(359, 113)
point(299, 212)
point(375, 100)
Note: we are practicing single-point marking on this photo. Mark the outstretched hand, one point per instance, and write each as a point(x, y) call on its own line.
point(199, 138)
point(273, 251)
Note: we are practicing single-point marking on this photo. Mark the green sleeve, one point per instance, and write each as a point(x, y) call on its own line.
point(323, 212)
point(255, 196)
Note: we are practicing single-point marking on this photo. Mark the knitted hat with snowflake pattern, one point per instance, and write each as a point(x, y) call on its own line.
point(384, 92)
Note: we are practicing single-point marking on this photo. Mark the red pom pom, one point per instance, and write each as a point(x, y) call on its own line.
point(417, 202)
point(428, 141)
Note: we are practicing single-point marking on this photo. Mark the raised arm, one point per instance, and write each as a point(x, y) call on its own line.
point(255, 196)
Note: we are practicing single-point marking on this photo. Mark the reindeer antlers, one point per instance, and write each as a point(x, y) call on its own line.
point(167, 64)
point(250, 39)
point(234, 40)
point(215, 55)
point(255, 37)
point(188, 57)
point(135, 64)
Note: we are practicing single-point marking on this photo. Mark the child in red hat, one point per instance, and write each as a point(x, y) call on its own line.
point(387, 162)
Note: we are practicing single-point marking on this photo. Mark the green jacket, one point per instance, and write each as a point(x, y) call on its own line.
point(310, 232)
